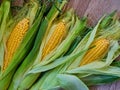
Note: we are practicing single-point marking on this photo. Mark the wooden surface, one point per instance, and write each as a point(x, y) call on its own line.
point(94, 9)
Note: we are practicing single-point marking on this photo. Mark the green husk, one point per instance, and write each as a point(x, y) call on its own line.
point(20, 74)
point(116, 63)
point(108, 20)
point(74, 44)
point(56, 88)
point(112, 54)
point(1, 14)
point(28, 78)
point(6, 10)
point(56, 63)
point(84, 44)
point(14, 20)
point(98, 79)
point(102, 67)
point(67, 19)
point(4, 83)
point(33, 11)
point(23, 47)
point(4, 15)
point(77, 28)
point(17, 75)
point(77, 40)
point(49, 79)
point(1, 54)
point(71, 82)
point(20, 53)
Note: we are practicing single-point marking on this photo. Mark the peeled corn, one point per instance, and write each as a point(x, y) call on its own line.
point(99, 49)
point(14, 40)
point(55, 38)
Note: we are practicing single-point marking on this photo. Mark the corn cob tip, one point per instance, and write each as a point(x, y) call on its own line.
point(97, 52)
point(14, 40)
point(55, 38)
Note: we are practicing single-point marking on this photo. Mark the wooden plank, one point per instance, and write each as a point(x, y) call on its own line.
point(80, 6)
point(98, 8)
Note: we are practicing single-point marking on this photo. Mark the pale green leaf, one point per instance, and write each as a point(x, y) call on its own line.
point(71, 82)
point(41, 68)
point(1, 53)
point(85, 44)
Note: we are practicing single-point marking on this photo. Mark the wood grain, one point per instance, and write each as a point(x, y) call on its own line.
point(94, 9)
point(80, 6)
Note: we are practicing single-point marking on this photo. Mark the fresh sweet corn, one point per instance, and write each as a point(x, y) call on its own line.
point(55, 38)
point(99, 49)
point(14, 40)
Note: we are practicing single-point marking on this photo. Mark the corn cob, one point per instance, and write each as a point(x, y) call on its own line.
point(29, 11)
point(14, 40)
point(55, 38)
point(99, 49)
point(19, 75)
point(47, 79)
